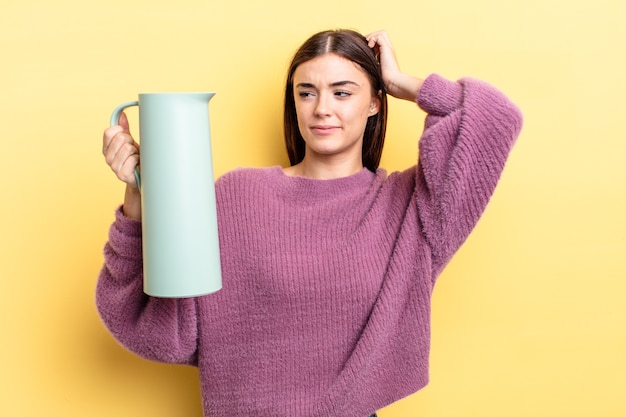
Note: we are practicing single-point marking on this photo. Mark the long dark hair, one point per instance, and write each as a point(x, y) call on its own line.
point(353, 46)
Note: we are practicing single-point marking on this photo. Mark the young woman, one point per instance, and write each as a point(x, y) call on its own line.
point(329, 264)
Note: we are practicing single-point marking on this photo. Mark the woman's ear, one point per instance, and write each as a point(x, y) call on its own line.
point(375, 104)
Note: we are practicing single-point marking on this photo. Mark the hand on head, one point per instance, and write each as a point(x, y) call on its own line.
point(397, 83)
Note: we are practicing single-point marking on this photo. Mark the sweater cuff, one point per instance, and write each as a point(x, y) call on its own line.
point(439, 96)
point(125, 236)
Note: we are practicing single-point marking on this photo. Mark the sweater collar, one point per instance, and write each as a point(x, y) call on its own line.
point(308, 189)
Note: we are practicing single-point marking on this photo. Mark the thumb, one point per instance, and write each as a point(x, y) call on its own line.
point(123, 122)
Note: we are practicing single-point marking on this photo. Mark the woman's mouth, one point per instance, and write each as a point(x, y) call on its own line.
point(324, 129)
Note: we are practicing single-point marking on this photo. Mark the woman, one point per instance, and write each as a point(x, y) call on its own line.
point(328, 265)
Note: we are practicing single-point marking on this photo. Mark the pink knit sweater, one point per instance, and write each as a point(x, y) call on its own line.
point(325, 306)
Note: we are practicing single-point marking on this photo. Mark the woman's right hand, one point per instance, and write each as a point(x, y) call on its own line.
point(121, 153)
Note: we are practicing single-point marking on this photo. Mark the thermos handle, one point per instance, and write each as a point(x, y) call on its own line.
point(115, 120)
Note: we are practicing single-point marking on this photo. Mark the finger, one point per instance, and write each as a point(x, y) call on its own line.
point(371, 39)
point(126, 172)
point(124, 161)
point(377, 38)
point(112, 131)
point(120, 146)
point(108, 136)
point(123, 122)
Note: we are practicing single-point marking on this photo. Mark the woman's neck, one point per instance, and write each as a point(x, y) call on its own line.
point(323, 170)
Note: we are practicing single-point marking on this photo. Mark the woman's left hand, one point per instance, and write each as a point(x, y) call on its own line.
point(397, 83)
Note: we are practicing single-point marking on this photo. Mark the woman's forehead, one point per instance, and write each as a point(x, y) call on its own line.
point(328, 69)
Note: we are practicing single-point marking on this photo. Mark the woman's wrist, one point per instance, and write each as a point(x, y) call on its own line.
point(405, 87)
point(132, 203)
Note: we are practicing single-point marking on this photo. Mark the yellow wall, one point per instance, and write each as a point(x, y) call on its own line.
point(529, 318)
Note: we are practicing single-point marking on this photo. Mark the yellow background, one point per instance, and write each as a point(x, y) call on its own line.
point(529, 318)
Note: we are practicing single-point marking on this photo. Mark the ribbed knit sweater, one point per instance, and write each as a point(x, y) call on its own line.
point(326, 298)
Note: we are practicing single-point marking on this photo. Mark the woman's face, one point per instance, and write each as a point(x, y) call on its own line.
point(334, 99)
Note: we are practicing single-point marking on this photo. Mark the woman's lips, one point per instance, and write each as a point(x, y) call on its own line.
point(324, 129)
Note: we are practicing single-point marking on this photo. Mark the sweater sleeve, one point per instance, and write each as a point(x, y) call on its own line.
point(159, 329)
point(469, 131)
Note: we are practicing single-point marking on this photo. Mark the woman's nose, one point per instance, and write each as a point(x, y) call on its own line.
point(322, 106)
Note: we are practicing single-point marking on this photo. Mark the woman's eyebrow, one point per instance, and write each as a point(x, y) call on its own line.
point(335, 84)
point(341, 83)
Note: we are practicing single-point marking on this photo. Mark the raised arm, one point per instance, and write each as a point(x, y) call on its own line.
point(469, 131)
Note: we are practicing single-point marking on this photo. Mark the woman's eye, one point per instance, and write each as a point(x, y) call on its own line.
point(343, 93)
point(305, 94)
